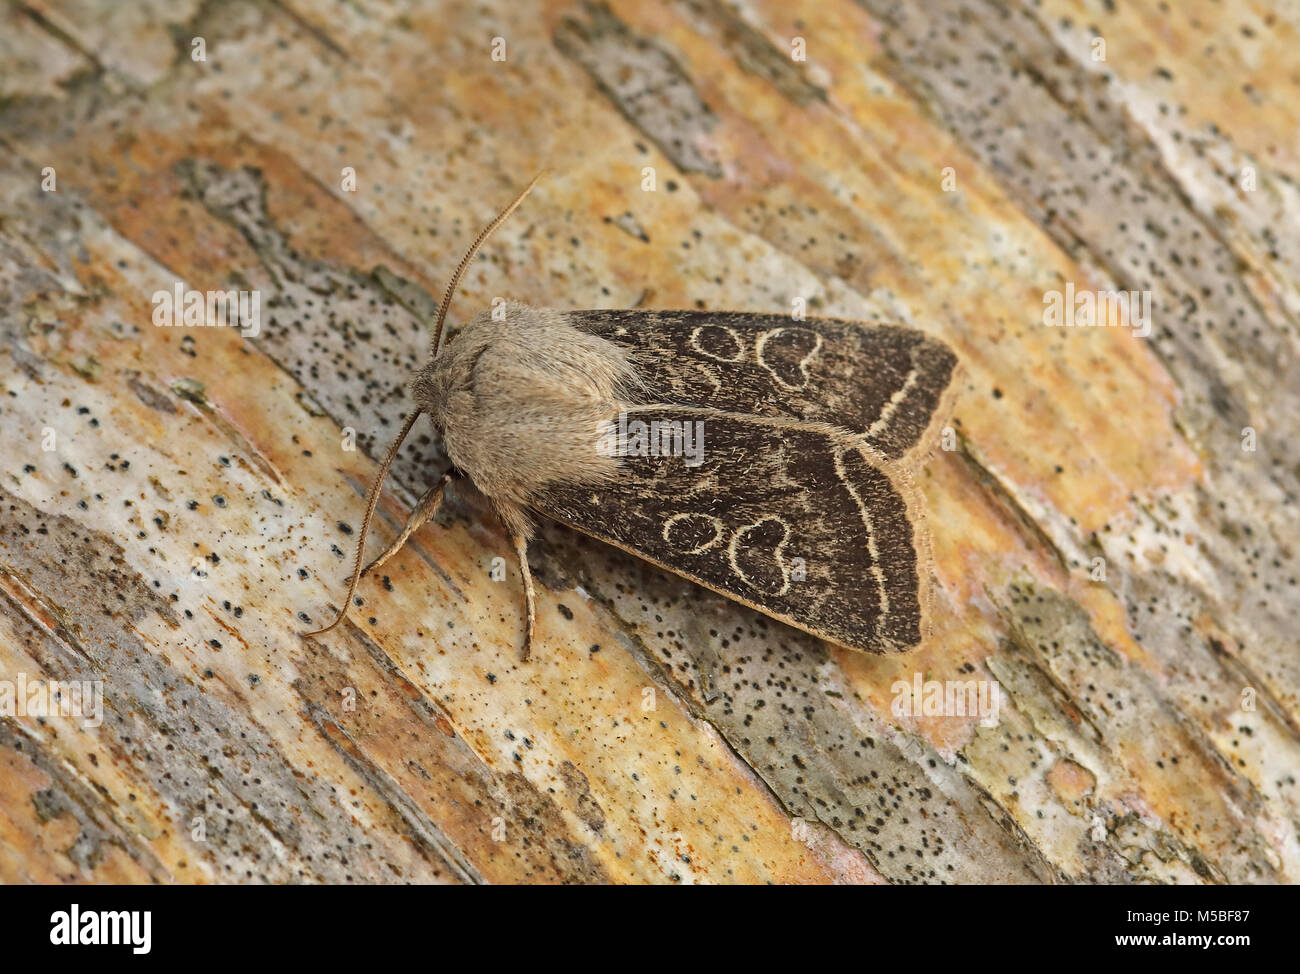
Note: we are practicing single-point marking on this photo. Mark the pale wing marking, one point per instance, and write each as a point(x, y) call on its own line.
point(871, 541)
point(887, 412)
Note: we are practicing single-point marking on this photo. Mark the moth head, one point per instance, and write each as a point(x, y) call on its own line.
point(425, 398)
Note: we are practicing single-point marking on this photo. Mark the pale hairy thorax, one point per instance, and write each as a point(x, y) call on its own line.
point(520, 401)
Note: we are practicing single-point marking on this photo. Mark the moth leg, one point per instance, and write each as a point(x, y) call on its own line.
point(425, 509)
point(520, 542)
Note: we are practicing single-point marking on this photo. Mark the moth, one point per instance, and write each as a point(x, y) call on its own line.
point(763, 457)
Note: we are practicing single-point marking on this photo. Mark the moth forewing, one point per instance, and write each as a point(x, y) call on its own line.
point(887, 382)
point(802, 521)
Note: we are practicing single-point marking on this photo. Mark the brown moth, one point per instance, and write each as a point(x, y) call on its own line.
point(763, 457)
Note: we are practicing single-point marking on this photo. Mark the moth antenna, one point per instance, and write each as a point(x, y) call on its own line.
point(372, 500)
point(474, 249)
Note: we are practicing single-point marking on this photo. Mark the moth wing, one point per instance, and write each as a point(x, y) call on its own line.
point(886, 381)
point(803, 523)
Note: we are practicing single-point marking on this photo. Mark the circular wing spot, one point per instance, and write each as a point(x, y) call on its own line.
point(692, 533)
point(756, 558)
point(718, 342)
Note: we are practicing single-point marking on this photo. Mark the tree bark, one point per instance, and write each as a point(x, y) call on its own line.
point(1114, 524)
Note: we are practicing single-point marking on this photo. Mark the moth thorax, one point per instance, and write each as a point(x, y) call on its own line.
point(523, 402)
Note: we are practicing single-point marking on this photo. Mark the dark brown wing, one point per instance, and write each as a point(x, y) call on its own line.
point(801, 522)
point(882, 380)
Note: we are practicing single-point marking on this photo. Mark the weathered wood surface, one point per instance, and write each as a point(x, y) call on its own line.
point(197, 508)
